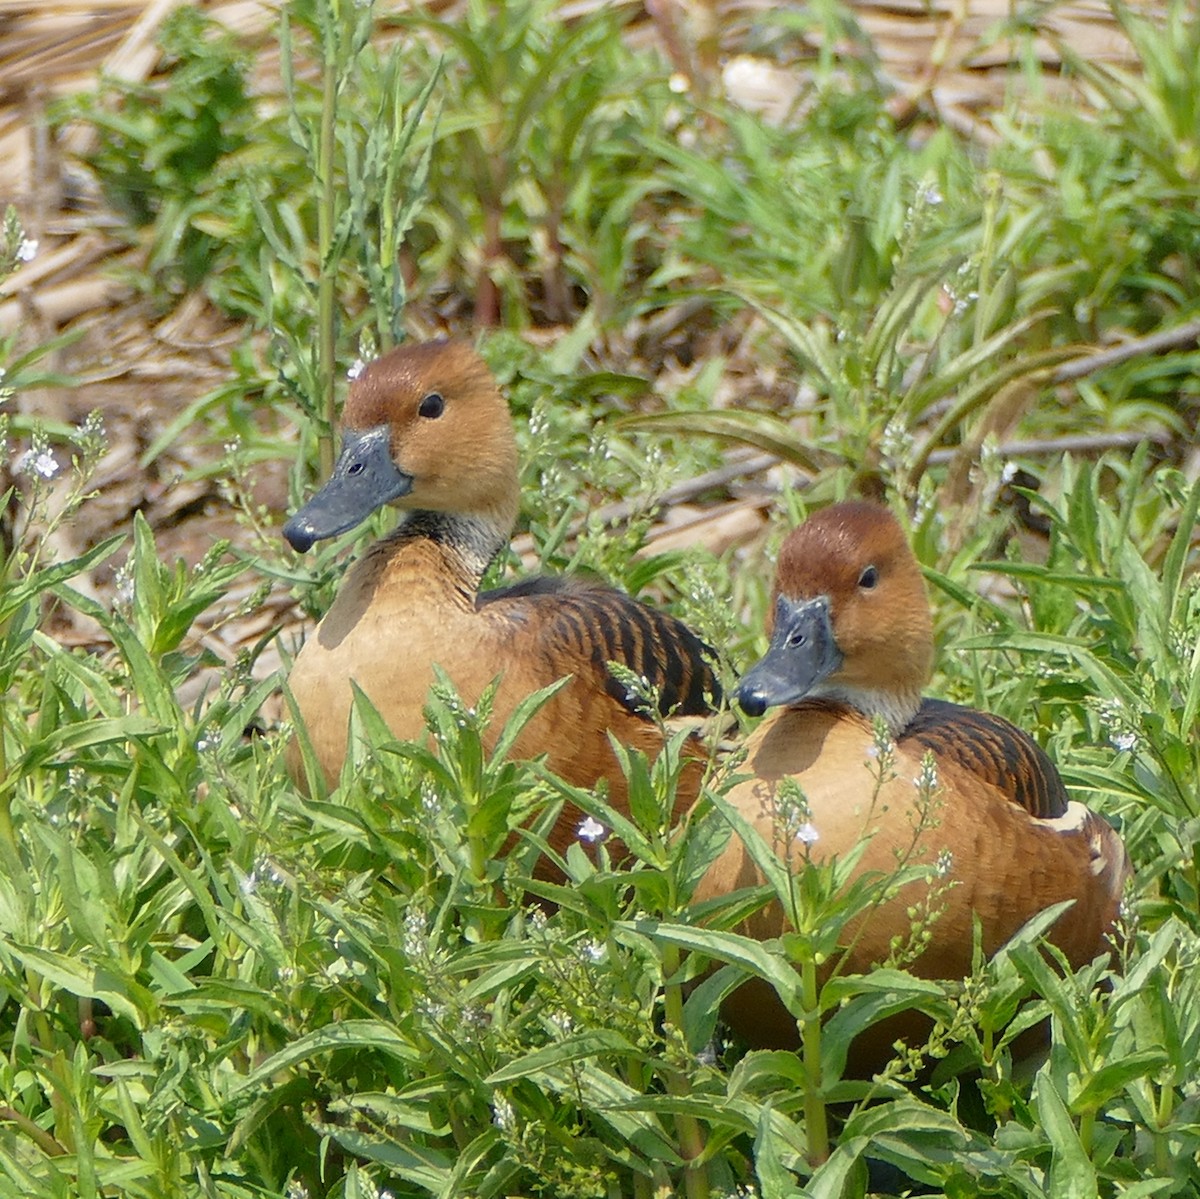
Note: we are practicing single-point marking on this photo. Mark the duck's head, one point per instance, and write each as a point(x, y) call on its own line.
point(850, 618)
point(424, 428)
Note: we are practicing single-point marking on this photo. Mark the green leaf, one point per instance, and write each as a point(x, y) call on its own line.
point(1071, 1174)
point(752, 956)
point(593, 1043)
point(347, 1034)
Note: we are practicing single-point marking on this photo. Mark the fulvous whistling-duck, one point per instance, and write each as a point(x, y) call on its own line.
point(426, 430)
point(852, 639)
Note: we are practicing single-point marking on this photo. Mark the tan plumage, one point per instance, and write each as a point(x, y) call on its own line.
point(426, 430)
point(852, 638)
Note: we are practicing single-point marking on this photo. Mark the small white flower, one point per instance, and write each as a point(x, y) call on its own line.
point(355, 368)
point(933, 196)
point(27, 249)
point(39, 462)
point(1124, 742)
point(591, 951)
point(944, 864)
point(807, 833)
point(591, 830)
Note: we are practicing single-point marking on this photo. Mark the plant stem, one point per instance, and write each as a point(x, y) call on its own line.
point(691, 1135)
point(816, 1124)
point(326, 216)
point(643, 1187)
point(1162, 1146)
point(1087, 1122)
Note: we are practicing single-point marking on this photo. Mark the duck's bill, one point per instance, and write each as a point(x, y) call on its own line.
point(802, 653)
point(364, 478)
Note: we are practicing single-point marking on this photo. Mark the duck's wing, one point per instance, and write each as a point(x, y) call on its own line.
point(994, 750)
point(581, 628)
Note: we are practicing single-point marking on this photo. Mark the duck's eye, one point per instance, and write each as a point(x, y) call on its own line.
point(796, 640)
point(432, 406)
point(868, 578)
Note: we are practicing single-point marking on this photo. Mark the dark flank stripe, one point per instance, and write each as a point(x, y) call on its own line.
point(993, 749)
point(571, 627)
point(649, 656)
point(702, 680)
point(672, 652)
point(604, 647)
point(628, 639)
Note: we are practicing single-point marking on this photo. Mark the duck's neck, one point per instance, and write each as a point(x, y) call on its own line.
point(897, 707)
point(469, 540)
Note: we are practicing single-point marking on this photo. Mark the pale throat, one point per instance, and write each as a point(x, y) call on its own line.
point(896, 705)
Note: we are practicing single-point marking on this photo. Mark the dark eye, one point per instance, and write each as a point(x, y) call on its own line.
point(868, 578)
point(432, 406)
point(356, 468)
point(796, 640)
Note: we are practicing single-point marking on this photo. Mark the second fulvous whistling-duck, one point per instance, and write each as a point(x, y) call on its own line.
point(852, 640)
point(426, 430)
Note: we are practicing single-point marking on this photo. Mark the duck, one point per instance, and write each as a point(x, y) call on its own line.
point(426, 430)
point(966, 793)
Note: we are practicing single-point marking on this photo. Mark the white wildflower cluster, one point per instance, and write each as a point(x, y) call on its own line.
point(414, 942)
point(264, 872)
point(591, 952)
point(926, 781)
point(1119, 725)
point(355, 369)
point(539, 422)
point(504, 1115)
point(123, 588)
point(209, 740)
point(896, 441)
point(91, 437)
point(882, 749)
point(794, 815)
point(944, 865)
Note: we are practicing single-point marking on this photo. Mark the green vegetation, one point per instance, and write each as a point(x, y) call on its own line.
point(212, 984)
